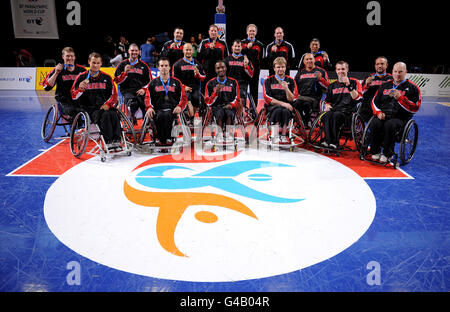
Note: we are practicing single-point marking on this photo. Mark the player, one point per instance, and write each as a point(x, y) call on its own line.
point(173, 49)
point(166, 98)
point(63, 76)
point(190, 72)
point(223, 96)
point(133, 76)
point(240, 68)
point(312, 81)
point(321, 57)
point(279, 91)
point(278, 48)
point(371, 84)
point(254, 50)
point(340, 102)
point(211, 50)
point(96, 93)
point(394, 104)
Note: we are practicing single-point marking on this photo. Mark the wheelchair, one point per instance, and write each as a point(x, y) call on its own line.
point(262, 131)
point(351, 130)
point(55, 117)
point(235, 135)
point(181, 136)
point(407, 138)
point(85, 137)
point(250, 112)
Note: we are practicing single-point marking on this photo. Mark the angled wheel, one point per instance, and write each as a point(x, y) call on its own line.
point(366, 139)
point(49, 124)
point(79, 134)
point(408, 143)
point(317, 133)
point(357, 130)
point(127, 128)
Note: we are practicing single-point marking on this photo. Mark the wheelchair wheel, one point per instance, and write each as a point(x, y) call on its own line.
point(408, 143)
point(127, 128)
point(79, 134)
point(297, 131)
point(357, 130)
point(49, 124)
point(365, 140)
point(147, 127)
point(317, 133)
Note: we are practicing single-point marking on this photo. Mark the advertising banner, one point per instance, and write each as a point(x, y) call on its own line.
point(13, 78)
point(34, 19)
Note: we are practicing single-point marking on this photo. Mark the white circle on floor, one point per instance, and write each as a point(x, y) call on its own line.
point(276, 212)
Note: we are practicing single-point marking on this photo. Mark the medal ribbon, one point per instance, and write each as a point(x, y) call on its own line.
point(166, 87)
point(222, 83)
point(132, 63)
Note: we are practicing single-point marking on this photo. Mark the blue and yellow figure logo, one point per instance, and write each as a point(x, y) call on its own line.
point(173, 202)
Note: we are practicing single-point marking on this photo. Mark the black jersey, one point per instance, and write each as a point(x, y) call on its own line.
point(100, 90)
point(255, 53)
point(309, 85)
point(284, 49)
point(166, 95)
point(184, 70)
point(175, 53)
point(272, 89)
point(403, 108)
point(339, 97)
point(137, 78)
point(209, 53)
point(63, 82)
point(369, 91)
point(236, 68)
point(229, 94)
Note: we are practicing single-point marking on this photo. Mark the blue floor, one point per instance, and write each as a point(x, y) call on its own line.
point(406, 248)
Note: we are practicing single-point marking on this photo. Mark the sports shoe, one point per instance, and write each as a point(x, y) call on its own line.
point(284, 139)
point(333, 146)
point(276, 140)
point(384, 159)
point(325, 144)
point(376, 156)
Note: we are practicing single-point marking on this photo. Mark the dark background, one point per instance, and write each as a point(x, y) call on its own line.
point(413, 32)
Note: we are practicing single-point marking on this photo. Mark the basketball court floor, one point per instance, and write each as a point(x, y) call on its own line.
point(247, 221)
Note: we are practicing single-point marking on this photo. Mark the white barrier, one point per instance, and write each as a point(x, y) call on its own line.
point(429, 84)
point(24, 78)
point(17, 78)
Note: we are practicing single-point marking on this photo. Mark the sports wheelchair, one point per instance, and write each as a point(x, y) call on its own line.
point(55, 117)
point(181, 135)
point(213, 134)
point(262, 131)
point(407, 136)
point(350, 130)
point(83, 132)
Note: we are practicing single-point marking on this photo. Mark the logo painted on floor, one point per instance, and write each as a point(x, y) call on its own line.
point(210, 217)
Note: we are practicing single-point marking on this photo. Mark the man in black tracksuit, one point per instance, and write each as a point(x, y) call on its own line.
point(393, 105)
point(165, 98)
point(341, 100)
point(133, 76)
point(96, 94)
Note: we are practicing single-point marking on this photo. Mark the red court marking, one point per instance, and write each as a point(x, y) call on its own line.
point(59, 159)
point(53, 162)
